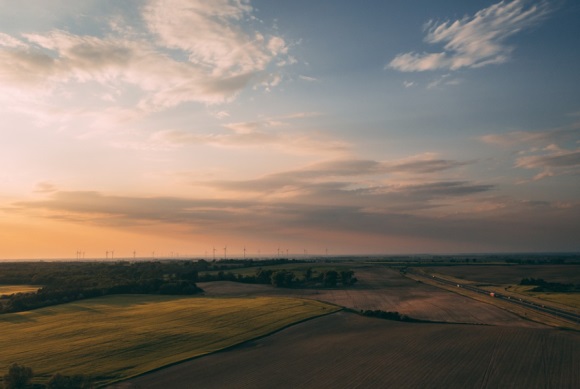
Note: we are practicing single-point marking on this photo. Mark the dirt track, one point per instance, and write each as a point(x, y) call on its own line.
point(345, 350)
point(386, 289)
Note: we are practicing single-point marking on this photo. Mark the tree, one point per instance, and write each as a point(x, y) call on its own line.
point(18, 377)
point(330, 278)
point(282, 278)
point(346, 277)
point(59, 381)
point(264, 276)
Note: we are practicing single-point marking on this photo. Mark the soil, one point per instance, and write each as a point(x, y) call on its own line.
point(345, 350)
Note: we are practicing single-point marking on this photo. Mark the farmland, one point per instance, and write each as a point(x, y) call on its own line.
point(506, 280)
point(154, 340)
point(117, 337)
point(10, 289)
point(511, 274)
point(344, 350)
point(386, 289)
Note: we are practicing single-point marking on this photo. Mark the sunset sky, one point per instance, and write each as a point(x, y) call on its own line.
point(357, 127)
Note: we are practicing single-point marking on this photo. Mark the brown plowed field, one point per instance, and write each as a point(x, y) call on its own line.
point(345, 350)
point(386, 289)
point(512, 274)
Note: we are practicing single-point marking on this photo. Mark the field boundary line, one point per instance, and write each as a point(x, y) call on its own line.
point(228, 348)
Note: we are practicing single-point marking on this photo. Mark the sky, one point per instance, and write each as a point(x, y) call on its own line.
point(157, 128)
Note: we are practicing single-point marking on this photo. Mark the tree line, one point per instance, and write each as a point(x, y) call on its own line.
point(20, 377)
point(63, 282)
point(284, 278)
point(388, 315)
point(66, 282)
point(545, 286)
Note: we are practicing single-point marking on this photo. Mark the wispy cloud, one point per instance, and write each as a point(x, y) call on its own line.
point(553, 152)
point(554, 162)
point(285, 220)
point(278, 133)
point(535, 138)
point(45, 187)
point(473, 41)
point(189, 51)
point(443, 80)
point(212, 36)
point(373, 183)
point(308, 78)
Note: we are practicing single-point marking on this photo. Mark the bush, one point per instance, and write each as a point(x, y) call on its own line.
point(18, 377)
point(59, 381)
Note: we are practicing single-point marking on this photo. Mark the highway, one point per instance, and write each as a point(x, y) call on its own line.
point(570, 316)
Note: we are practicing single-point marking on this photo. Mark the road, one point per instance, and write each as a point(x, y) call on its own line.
point(570, 316)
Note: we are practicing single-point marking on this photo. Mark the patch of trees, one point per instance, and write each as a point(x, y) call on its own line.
point(545, 286)
point(228, 264)
point(388, 315)
point(283, 278)
point(66, 282)
point(20, 377)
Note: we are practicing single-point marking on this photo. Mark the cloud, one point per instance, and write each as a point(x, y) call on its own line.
point(520, 226)
point(276, 132)
point(359, 181)
point(307, 78)
point(537, 138)
point(211, 34)
point(186, 51)
point(473, 41)
point(45, 187)
point(554, 163)
point(10, 42)
point(552, 152)
point(443, 80)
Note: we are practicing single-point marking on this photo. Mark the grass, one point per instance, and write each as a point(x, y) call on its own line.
point(569, 300)
point(10, 289)
point(117, 337)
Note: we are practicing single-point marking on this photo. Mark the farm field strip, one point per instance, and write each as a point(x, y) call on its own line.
point(543, 314)
point(563, 301)
point(117, 337)
point(345, 350)
point(565, 314)
point(11, 289)
point(386, 289)
point(506, 280)
point(511, 274)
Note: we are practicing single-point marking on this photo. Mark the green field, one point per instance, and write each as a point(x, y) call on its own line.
point(117, 337)
point(10, 289)
point(568, 299)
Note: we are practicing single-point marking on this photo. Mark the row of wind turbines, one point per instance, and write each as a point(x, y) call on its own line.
point(80, 255)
